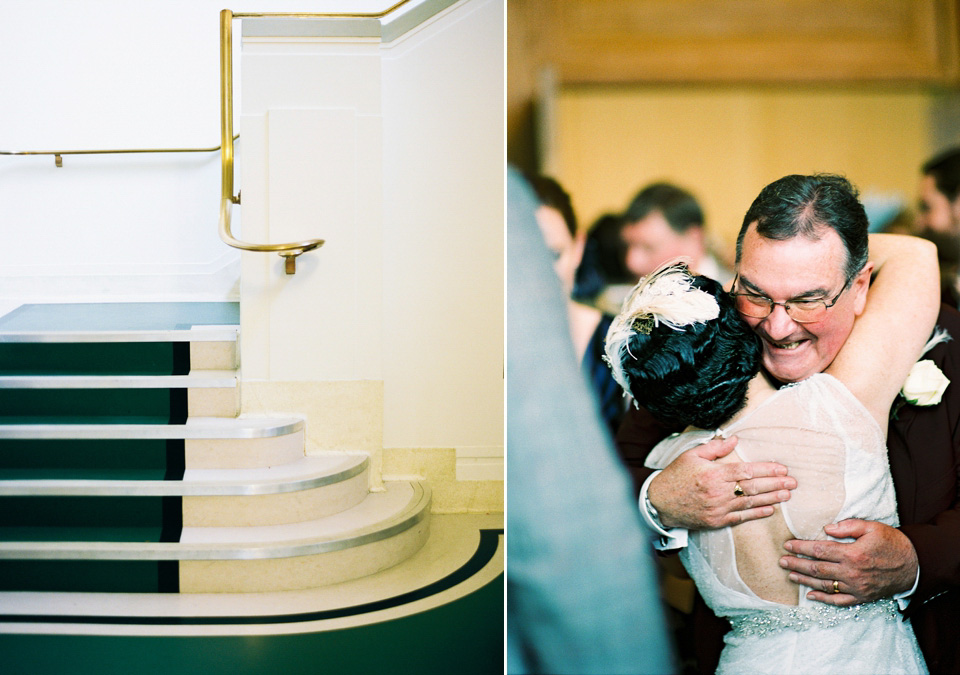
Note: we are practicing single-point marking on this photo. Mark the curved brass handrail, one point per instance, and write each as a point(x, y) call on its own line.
point(227, 199)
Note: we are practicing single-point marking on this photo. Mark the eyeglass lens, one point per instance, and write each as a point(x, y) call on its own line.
point(759, 307)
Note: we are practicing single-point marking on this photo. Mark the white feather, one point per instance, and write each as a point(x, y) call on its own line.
point(939, 335)
point(665, 296)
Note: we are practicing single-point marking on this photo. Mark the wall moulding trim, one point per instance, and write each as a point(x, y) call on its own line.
point(479, 468)
point(222, 263)
point(389, 28)
point(480, 463)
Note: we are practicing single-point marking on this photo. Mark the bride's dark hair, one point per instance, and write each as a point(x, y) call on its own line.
point(689, 372)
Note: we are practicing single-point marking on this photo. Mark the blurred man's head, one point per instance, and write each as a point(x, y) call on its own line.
point(558, 223)
point(939, 202)
point(662, 222)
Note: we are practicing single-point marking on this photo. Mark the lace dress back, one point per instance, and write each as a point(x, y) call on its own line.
point(836, 451)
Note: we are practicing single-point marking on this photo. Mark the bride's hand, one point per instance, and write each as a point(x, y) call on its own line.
point(879, 563)
point(697, 492)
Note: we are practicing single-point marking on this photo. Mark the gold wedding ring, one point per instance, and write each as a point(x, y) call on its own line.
point(836, 586)
point(737, 490)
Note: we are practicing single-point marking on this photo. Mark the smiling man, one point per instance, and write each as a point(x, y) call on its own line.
point(809, 274)
point(802, 280)
point(801, 284)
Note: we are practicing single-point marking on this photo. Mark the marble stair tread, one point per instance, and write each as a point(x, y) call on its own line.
point(380, 516)
point(194, 428)
point(304, 474)
point(122, 322)
point(196, 379)
point(452, 542)
point(374, 510)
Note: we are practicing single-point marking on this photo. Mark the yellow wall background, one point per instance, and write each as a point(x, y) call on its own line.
point(724, 143)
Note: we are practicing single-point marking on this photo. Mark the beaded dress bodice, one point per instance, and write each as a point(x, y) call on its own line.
point(836, 451)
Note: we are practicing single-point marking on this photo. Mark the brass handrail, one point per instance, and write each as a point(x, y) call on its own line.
point(58, 154)
point(227, 199)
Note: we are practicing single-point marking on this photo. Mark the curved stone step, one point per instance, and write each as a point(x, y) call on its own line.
point(384, 529)
point(304, 474)
point(306, 489)
point(381, 515)
point(456, 555)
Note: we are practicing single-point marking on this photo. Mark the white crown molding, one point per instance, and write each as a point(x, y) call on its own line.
point(386, 29)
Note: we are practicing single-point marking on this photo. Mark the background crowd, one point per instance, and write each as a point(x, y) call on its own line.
point(602, 537)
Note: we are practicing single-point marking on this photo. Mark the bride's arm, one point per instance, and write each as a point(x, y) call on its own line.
point(897, 319)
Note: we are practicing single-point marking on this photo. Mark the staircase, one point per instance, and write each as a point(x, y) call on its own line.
point(125, 466)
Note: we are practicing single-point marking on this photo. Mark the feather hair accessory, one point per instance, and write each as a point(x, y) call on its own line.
point(664, 296)
point(939, 335)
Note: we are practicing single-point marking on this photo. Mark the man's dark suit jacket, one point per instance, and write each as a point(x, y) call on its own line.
point(924, 450)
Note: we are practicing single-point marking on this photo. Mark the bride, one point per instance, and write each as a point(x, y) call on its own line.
point(681, 349)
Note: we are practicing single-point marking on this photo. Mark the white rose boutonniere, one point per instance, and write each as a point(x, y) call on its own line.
point(925, 384)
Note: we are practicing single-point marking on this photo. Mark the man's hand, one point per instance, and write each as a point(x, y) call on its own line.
point(880, 563)
point(697, 492)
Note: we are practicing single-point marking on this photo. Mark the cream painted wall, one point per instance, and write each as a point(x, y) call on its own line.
point(443, 237)
point(726, 143)
point(392, 151)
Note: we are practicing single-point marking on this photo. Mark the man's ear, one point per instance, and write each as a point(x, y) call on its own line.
point(860, 286)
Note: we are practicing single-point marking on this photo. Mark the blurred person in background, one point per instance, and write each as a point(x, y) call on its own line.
point(602, 279)
point(588, 325)
point(581, 593)
point(938, 217)
point(664, 222)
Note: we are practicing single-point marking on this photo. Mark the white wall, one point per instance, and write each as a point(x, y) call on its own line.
point(101, 74)
point(104, 75)
point(394, 153)
point(443, 235)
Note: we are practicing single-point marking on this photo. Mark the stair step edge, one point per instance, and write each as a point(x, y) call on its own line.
point(310, 472)
point(194, 380)
point(195, 428)
point(416, 509)
point(196, 334)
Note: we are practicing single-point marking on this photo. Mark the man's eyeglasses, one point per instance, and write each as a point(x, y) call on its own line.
point(802, 311)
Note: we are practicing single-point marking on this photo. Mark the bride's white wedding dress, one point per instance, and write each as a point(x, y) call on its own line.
point(836, 451)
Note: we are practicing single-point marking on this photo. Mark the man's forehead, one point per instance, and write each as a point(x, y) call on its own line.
point(800, 265)
point(652, 225)
point(796, 290)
